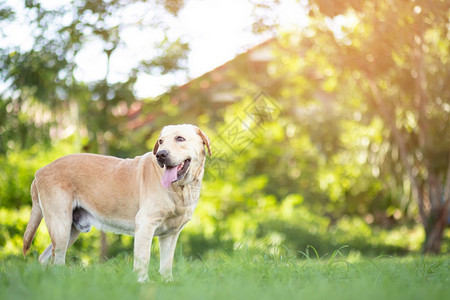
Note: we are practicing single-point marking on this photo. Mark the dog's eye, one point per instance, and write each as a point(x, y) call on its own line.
point(160, 142)
point(180, 139)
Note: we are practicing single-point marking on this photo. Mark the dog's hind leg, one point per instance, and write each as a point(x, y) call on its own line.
point(44, 258)
point(57, 210)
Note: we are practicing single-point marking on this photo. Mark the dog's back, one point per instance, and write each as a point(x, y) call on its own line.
point(96, 182)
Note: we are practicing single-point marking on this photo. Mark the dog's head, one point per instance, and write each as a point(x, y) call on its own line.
point(180, 149)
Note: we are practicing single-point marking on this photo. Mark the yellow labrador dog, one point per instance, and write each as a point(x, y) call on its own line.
point(151, 195)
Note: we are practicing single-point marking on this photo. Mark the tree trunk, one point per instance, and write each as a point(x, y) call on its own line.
point(104, 246)
point(434, 230)
point(438, 216)
point(434, 218)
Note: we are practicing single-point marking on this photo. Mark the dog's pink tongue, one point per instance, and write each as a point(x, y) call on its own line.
point(169, 176)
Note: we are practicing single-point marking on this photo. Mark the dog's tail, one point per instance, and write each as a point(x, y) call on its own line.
point(35, 219)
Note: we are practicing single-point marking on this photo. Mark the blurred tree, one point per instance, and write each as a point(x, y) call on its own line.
point(44, 76)
point(378, 60)
point(396, 55)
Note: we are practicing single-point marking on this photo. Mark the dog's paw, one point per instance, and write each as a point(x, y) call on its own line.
point(143, 279)
point(167, 278)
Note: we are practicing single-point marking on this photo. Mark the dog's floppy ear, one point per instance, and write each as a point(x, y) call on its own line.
point(155, 148)
point(205, 139)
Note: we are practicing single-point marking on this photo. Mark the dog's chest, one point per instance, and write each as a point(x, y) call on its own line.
point(174, 223)
point(184, 209)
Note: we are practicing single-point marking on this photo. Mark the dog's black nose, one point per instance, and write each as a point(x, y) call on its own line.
point(161, 157)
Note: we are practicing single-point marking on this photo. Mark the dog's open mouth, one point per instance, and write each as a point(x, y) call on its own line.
point(175, 173)
point(182, 168)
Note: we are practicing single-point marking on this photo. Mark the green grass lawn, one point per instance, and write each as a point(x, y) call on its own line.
point(240, 276)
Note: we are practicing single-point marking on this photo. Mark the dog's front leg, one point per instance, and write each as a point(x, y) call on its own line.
point(146, 224)
point(167, 246)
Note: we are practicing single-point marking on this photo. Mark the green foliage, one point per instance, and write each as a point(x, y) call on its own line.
point(6, 12)
point(13, 223)
point(270, 225)
point(248, 198)
point(18, 170)
point(18, 131)
point(173, 56)
point(41, 96)
point(244, 275)
point(351, 127)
